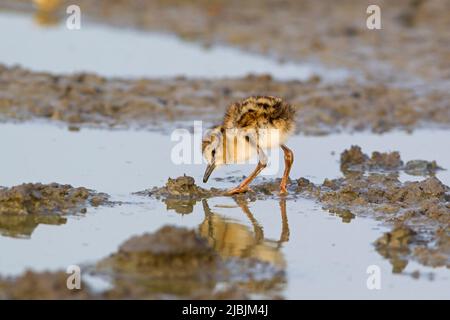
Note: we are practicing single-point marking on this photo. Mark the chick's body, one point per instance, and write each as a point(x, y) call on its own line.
point(249, 127)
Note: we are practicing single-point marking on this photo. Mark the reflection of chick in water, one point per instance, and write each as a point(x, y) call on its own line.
point(46, 12)
point(232, 239)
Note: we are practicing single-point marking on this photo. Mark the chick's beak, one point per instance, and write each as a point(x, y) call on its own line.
point(209, 169)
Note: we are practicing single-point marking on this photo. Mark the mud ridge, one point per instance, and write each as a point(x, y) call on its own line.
point(24, 207)
point(90, 100)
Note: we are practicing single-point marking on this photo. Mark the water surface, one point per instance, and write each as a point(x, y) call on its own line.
point(324, 257)
point(118, 52)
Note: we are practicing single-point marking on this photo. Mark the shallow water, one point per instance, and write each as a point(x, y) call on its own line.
point(324, 257)
point(129, 53)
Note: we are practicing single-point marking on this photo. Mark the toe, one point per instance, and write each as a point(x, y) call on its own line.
point(236, 191)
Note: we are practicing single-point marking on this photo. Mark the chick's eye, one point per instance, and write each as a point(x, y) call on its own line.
point(213, 153)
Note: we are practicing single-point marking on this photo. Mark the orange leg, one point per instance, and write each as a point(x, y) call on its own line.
point(288, 160)
point(243, 187)
point(262, 163)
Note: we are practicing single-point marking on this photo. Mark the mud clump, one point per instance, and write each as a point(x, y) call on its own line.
point(413, 192)
point(180, 194)
point(42, 199)
point(354, 159)
point(185, 187)
point(24, 207)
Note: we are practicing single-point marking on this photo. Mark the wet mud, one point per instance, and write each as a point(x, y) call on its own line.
point(354, 160)
point(24, 207)
point(181, 194)
point(418, 211)
point(88, 99)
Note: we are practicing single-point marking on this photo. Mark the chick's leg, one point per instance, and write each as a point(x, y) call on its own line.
point(243, 187)
point(288, 161)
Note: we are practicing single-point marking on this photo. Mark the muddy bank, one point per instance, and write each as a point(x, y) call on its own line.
point(413, 42)
point(421, 210)
point(354, 160)
point(181, 194)
point(24, 207)
point(87, 99)
point(170, 263)
point(418, 211)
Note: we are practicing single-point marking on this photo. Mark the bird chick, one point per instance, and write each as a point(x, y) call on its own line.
point(249, 127)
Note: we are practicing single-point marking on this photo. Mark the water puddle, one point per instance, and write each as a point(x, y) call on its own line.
point(323, 257)
point(129, 53)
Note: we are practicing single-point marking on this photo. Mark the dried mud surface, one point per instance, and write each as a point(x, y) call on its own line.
point(321, 108)
point(413, 43)
point(24, 207)
point(418, 211)
point(170, 263)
